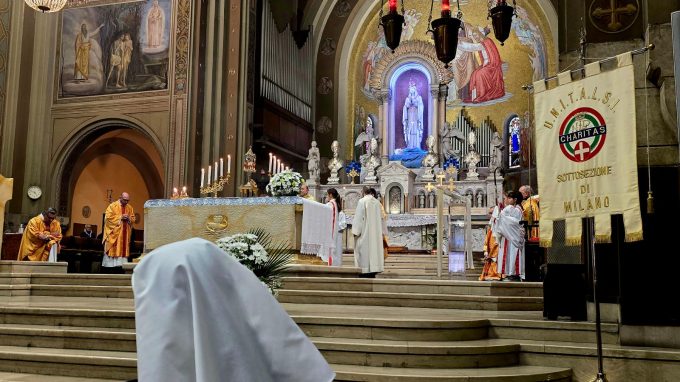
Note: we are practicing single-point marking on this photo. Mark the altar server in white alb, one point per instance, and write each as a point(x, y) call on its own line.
point(368, 235)
point(339, 224)
point(510, 237)
point(203, 317)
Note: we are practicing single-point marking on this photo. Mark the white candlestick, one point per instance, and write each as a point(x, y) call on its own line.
point(221, 167)
point(270, 162)
point(184, 190)
point(216, 171)
point(278, 166)
point(202, 176)
point(209, 175)
point(228, 163)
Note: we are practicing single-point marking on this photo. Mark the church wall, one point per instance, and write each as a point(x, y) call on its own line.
point(155, 100)
point(103, 174)
point(515, 55)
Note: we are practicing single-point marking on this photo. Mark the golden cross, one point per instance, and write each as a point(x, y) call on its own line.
point(440, 177)
point(429, 187)
point(451, 186)
point(613, 13)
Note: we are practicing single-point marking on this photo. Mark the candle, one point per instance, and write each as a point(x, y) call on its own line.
point(446, 7)
point(221, 167)
point(184, 190)
point(229, 163)
point(216, 171)
point(393, 6)
point(278, 166)
point(209, 175)
point(174, 191)
point(202, 176)
point(274, 166)
point(271, 164)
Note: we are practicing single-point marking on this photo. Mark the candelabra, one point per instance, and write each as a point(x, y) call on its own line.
point(215, 187)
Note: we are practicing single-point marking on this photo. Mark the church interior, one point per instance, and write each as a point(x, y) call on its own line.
point(202, 109)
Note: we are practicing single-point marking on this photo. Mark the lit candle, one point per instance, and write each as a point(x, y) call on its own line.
point(446, 7)
point(287, 168)
point(229, 163)
point(278, 166)
point(216, 171)
point(393, 6)
point(174, 192)
point(202, 176)
point(271, 164)
point(273, 171)
point(221, 167)
point(184, 191)
point(209, 175)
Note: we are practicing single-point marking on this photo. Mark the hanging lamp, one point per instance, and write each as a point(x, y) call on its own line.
point(501, 19)
point(392, 24)
point(445, 32)
point(46, 6)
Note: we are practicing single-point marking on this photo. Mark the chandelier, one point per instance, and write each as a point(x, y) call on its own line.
point(46, 6)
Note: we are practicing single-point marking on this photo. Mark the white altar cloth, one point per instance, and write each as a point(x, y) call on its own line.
point(317, 229)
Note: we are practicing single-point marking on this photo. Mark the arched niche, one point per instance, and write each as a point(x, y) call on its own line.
point(394, 199)
point(132, 142)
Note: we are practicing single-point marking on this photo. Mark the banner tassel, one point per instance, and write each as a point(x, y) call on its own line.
point(650, 202)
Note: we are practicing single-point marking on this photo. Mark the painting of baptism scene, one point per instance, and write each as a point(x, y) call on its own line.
point(116, 48)
point(339, 190)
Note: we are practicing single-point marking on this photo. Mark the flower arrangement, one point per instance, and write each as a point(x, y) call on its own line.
point(285, 183)
point(353, 165)
point(451, 162)
point(250, 250)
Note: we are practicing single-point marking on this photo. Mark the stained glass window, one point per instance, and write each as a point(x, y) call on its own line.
point(514, 142)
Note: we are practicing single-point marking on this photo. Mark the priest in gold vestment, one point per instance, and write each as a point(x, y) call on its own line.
point(490, 271)
point(531, 210)
point(41, 238)
point(304, 192)
point(117, 231)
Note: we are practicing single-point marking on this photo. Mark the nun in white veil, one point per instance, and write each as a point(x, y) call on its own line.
point(201, 316)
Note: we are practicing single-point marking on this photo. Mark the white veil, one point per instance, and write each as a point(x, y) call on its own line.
point(201, 316)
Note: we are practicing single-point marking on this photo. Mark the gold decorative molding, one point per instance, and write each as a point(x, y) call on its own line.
point(182, 46)
point(216, 225)
point(408, 50)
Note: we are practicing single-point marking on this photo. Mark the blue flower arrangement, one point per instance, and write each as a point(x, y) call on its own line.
point(353, 165)
point(451, 162)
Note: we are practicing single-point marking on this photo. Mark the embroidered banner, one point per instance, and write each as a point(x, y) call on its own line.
point(586, 152)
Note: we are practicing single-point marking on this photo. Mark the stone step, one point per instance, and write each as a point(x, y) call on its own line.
point(68, 337)
point(68, 362)
point(496, 374)
point(21, 377)
point(417, 300)
point(432, 276)
point(82, 279)
point(477, 288)
point(418, 354)
point(394, 329)
point(82, 291)
point(54, 316)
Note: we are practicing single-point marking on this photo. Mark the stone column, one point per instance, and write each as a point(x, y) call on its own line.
point(434, 129)
point(384, 98)
point(443, 94)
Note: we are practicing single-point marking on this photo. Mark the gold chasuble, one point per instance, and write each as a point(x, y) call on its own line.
point(6, 185)
point(116, 231)
point(34, 248)
point(490, 271)
point(532, 215)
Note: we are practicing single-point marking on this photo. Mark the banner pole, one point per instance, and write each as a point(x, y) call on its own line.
point(590, 224)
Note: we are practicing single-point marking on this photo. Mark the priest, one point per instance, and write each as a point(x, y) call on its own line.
point(510, 237)
point(41, 238)
point(304, 192)
point(117, 231)
point(530, 209)
point(490, 271)
point(368, 235)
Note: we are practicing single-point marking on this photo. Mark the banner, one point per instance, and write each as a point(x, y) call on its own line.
point(586, 152)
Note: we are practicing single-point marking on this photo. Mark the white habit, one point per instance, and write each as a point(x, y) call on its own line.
point(203, 317)
point(508, 233)
point(339, 224)
point(367, 229)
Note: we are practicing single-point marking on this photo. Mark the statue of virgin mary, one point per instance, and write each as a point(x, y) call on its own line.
point(412, 117)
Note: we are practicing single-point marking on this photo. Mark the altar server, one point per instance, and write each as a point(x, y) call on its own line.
point(368, 235)
point(203, 317)
point(510, 236)
point(339, 225)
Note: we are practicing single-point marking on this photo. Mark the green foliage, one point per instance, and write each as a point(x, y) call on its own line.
point(280, 256)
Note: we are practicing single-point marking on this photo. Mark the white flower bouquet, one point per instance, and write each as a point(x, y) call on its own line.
point(249, 250)
point(285, 183)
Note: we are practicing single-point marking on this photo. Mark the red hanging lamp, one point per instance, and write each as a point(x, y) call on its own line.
point(445, 32)
point(392, 24)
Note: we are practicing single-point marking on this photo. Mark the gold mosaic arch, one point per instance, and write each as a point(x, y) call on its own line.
point(412, 49)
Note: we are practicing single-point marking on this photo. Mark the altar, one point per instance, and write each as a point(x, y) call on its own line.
point(170, 220)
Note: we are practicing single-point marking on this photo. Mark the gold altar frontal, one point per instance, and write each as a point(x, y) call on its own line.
point(168, 221)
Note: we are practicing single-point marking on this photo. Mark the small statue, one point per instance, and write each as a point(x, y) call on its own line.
point(472, 157)
point(313, 160)
point(335, 164)
point(480, 199)
point(496, 150)
point(371, 163)
point(430, 160)
point(447, 134)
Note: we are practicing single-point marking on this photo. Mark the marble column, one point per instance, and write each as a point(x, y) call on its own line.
point(384, 111)
point(434, 128)
point(441, 99)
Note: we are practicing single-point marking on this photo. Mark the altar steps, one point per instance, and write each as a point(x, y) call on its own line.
point(421, 266)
